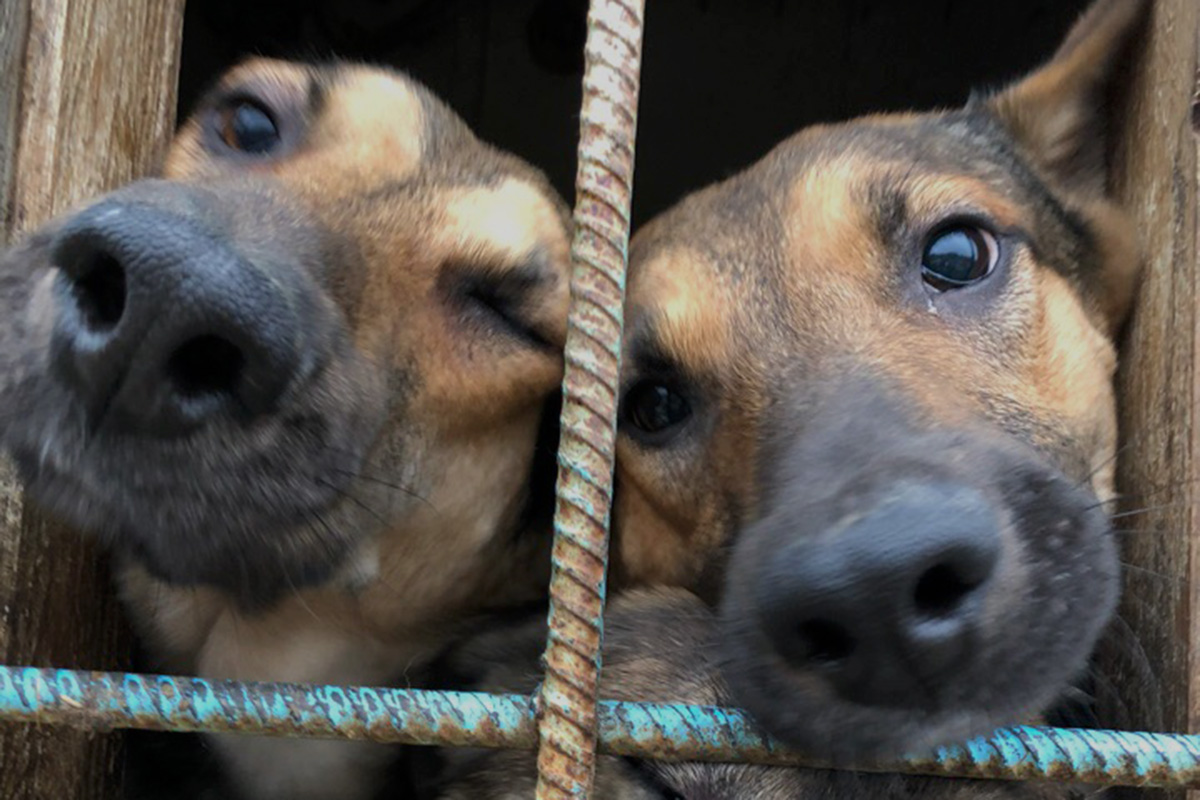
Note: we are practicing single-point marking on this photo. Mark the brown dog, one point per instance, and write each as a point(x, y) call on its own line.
point(659, 647)
point(867, 397)
point(298, 386)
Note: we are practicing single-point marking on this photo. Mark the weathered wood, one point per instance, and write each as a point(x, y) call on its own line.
point(87, 102)
point(14, 21)
point(1154, 669)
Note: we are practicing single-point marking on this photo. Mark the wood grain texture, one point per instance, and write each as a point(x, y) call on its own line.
point(14, 22)
point(1153, 666)
point(87, 101)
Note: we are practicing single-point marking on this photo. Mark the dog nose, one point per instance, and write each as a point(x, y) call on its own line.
point(886, 601)
point(161, 326)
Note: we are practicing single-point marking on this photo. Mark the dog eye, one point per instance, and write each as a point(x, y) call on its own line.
point(653, 407)
point(503, 303)
point(958, 256)
point(248, 127)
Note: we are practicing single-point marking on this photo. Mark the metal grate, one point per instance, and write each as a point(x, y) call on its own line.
point(565, 722)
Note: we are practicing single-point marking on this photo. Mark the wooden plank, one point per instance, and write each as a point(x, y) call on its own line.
point(98, 100)
point(1191, 643)
point(1153, 666)
point(87, 102)
point(14, 22)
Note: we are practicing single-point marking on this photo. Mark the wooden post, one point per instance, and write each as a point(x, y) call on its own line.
point(87, 102)
point(1154, 666)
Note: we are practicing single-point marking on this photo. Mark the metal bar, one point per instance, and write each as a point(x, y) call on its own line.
point(107, 700)
point(1068, 755)
point(599, 253)
point(670, 732)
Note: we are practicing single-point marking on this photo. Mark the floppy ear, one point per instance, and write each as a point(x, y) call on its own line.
point(1058, 117)
point(1058, 113)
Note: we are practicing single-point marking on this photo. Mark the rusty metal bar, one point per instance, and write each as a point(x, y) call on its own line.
point(599, 254)
point(671, 732)
point(165, 703)
point(106, 700)
point(1067, 755)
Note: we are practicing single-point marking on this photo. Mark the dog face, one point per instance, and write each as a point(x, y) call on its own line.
point(338, 316)
point(659, 647)
point(871, 376)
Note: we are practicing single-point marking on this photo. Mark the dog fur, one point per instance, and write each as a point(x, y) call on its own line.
point(339, 536)
point(787, 370)
point(659, 646)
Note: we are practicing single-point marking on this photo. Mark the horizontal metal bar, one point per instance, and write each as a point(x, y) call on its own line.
point(157, 702)
point(99, 700)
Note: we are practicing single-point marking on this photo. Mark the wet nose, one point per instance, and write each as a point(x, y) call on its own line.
point(887, 600)
point(161, 326)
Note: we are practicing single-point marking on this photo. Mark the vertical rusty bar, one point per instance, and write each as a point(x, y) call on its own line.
point(599, 253)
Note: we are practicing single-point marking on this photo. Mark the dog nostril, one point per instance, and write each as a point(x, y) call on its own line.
point(204, 366)
point(98, 287)
point(941, 589)
point(824, 643)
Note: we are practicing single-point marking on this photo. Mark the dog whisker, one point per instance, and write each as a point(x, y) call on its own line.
point(386, 484)
point(298, 594)
point(1165, 532)
point(1147, 493)
point(1116, 455)
point(363, 475)
point(1150, 509)
point(346, 494)
point(1176, 579)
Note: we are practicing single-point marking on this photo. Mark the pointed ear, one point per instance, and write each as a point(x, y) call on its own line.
point(1057, 114)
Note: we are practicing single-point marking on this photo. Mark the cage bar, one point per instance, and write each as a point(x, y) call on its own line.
point(564, 721)
point(648, 730)
point(599, 255)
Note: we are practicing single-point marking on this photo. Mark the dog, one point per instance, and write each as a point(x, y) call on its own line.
point(303, 386)
point(867, 408)
point(660, 646)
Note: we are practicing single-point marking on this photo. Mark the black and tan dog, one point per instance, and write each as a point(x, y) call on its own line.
point(659, 647)
point(297, 386)
point(867, 397)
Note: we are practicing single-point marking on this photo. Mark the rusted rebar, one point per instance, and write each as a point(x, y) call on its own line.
point(644, 730)
point(102, 700)
point(599, 253)
point(1064, 755)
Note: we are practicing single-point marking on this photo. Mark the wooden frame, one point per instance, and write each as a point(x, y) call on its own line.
point(87, 100)
point(1154, 663)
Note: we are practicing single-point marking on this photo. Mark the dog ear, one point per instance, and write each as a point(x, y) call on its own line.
point(1058, 117)
point(1058, 113)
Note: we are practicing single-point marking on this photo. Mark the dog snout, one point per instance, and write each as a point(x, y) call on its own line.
point(887, 599)
point(907, 583)
point(162, 326)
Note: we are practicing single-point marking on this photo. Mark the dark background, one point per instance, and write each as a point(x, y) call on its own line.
point(723, 80)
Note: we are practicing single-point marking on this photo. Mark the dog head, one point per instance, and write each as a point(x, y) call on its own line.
point(868, 381)
point(659, 647)
point(338, 316)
